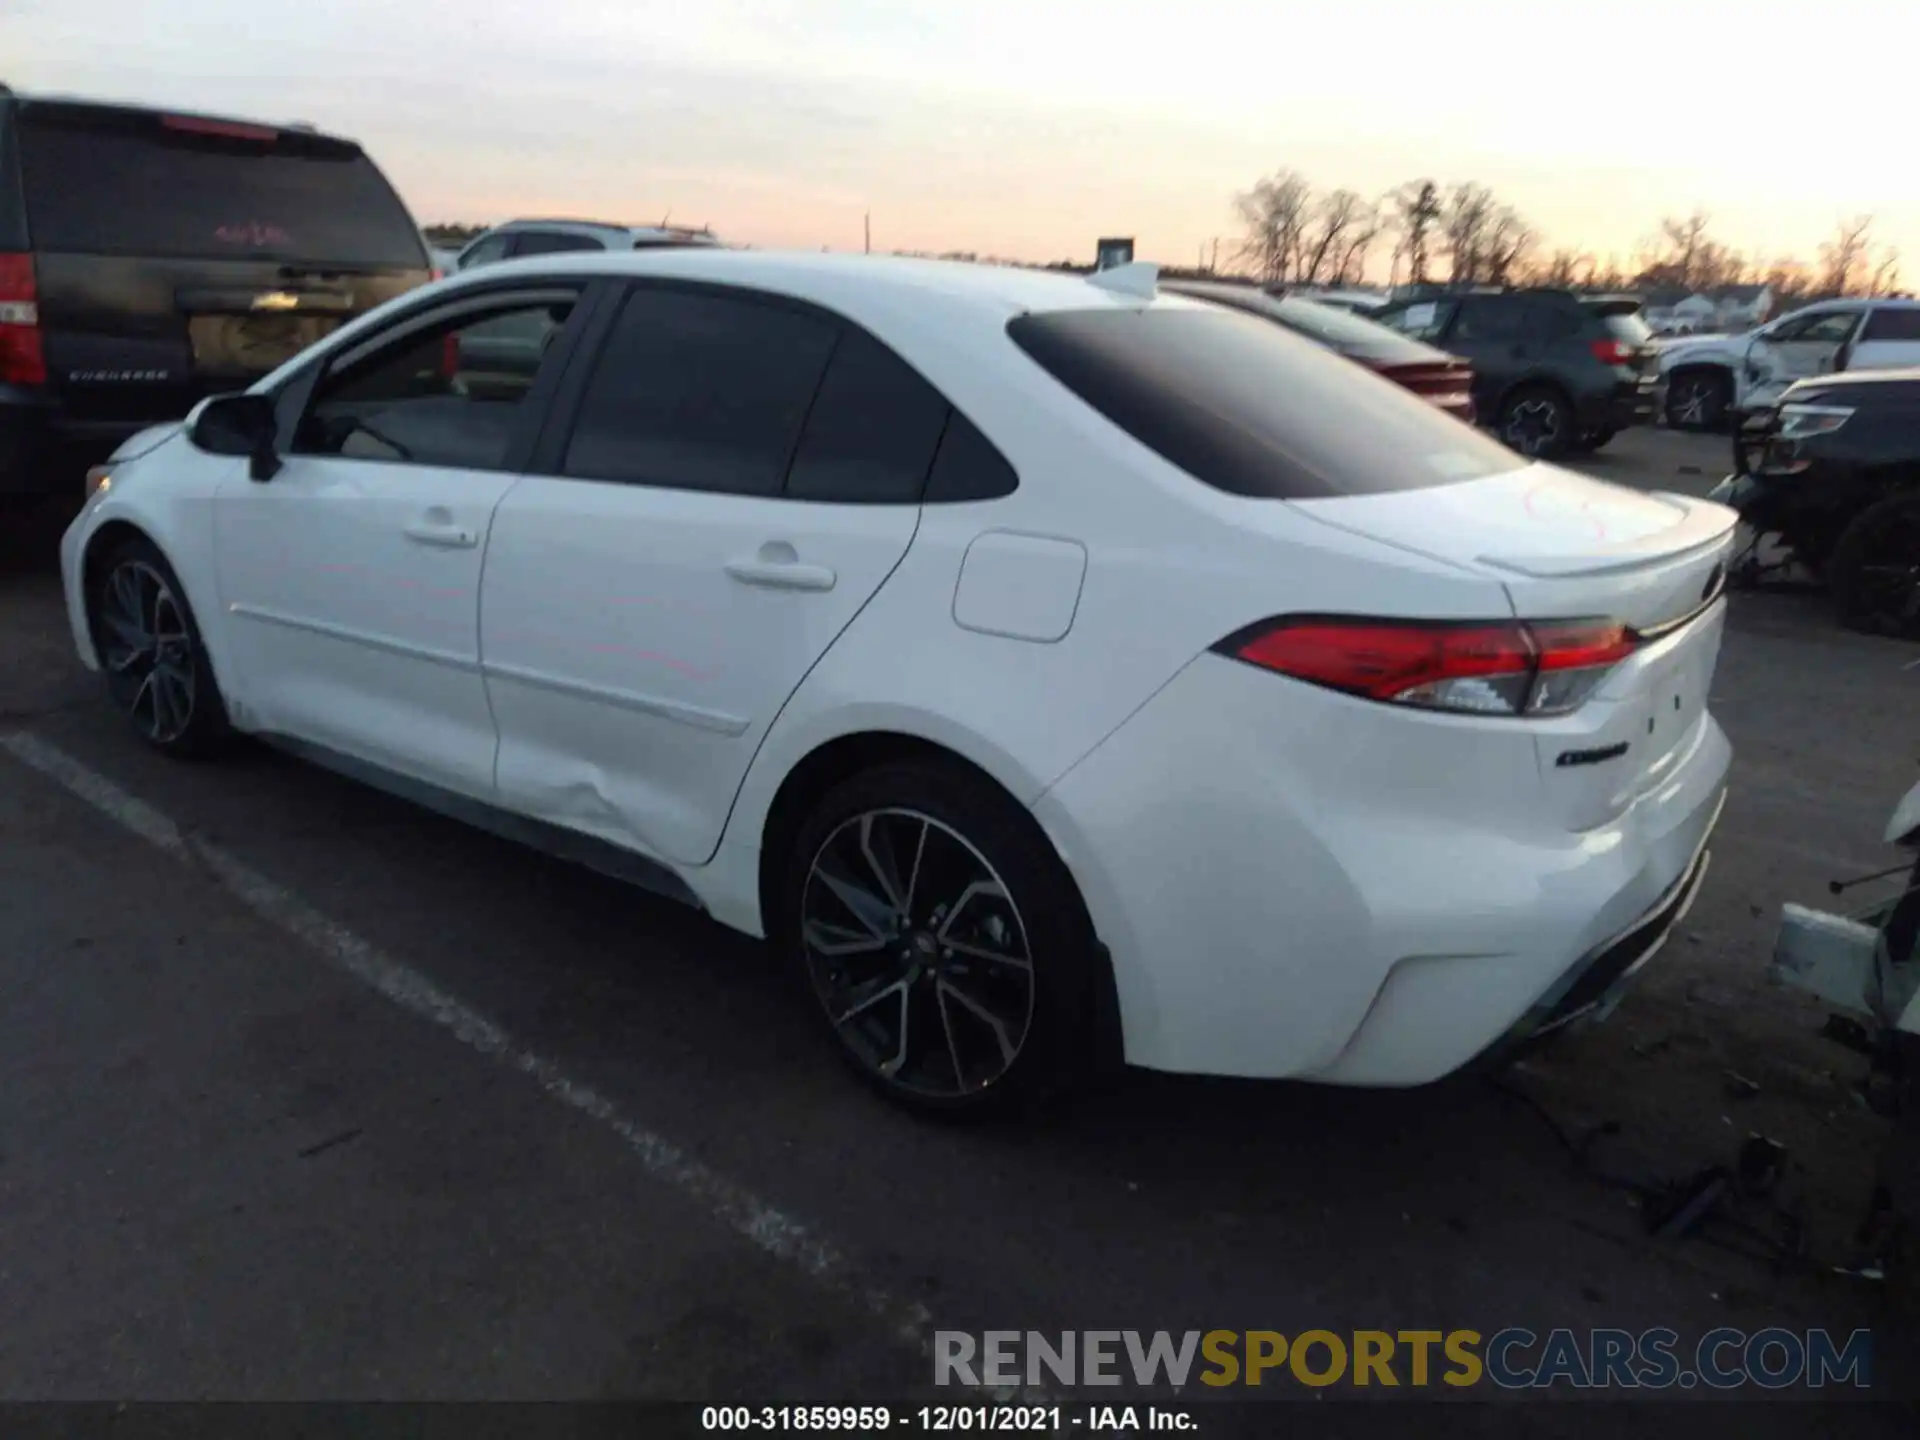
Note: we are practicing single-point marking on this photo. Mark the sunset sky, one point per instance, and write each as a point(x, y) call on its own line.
point(1027, 128)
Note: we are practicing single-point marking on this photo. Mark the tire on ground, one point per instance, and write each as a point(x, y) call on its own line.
point(206, 729)
point(1056, 1050)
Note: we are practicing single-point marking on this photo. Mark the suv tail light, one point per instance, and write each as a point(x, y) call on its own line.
point(1507, 667)
point(1613, 352)
point(22, 362)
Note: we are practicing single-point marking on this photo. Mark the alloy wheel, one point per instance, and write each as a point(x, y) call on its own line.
point(918, 953)
point(1533, 426)
point(1689, 404)
point(148, 650)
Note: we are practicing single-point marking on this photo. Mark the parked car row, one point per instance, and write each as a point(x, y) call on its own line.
point(1714, 380)
point(1554, 372)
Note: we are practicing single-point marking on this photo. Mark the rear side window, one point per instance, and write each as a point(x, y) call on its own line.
point(1493, 320)
point(968, 467)
point(1889, 323)
point(872, 432)
point(136, 187)
point(699, 391)
point(1245, 407)
point(540, 242)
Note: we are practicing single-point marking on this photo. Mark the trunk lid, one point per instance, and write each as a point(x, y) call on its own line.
point(176, 256)
point(1561, 544)
point(1566, 547)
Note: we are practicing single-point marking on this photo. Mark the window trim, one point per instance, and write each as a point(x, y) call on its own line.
point(299, 394)
point(547, 454)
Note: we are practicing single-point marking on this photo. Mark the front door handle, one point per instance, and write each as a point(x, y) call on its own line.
point(777, 567)
point(446, 537)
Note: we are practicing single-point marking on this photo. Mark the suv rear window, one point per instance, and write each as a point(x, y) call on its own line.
point(1629, 328)
point(132, 187)
point(1244, 406)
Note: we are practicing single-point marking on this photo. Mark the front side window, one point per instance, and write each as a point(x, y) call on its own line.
point(696, 390)
point(448, 394)
point(1830, 328)
point(1423, 319)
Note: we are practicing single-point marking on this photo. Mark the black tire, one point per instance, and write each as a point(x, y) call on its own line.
point(962, 1011)
point(1537, 421)
point(1592, 440)
point(151, 653)
point(1699, 399)
point(1874, 569)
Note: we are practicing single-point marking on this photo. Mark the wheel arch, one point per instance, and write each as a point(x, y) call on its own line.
point(838, 758)
point(99, 543)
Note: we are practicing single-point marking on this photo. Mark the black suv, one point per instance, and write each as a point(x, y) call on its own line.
point(1553, 371)
point(148, 259)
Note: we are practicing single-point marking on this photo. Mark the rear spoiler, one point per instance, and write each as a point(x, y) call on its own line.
point(1613, 304)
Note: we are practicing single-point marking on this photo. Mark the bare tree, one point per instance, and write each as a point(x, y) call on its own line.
point(1323, 249)
point(1273, 215)
point(1562, 269)
point(1416, 213)
point(1360, 239)
point(1468, 213)
point(1508, 241)
point(1842, 257)
point(1886, 274)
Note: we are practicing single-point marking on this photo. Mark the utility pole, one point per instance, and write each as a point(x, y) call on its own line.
point(868, 222)
point(1215, 266)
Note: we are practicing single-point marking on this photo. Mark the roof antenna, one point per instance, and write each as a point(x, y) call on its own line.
point(1139, 279)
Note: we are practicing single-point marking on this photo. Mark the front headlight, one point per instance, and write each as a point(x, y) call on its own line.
point(1798, 422)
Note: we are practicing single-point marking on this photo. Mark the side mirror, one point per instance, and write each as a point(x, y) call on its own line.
point(238, 425)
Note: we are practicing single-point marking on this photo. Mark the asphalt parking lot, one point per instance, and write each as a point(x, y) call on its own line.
point(305, 1093)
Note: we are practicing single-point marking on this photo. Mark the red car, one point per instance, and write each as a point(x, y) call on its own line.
point(1445, 379)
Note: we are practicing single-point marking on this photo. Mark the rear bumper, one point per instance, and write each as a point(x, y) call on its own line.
point(1331, 890)
point(1629, 403)
point(1594, 984)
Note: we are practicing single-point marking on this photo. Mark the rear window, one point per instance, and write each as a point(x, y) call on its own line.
point(135, 188)
point(1247, 408)
point(1628, 328)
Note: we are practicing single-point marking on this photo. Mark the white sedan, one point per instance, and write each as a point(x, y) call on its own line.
point(1051, 669)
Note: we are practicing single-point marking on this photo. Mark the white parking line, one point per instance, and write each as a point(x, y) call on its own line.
point(771, 1229)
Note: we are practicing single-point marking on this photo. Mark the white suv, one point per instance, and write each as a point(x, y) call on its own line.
point(1715, 376)
point(518, 238)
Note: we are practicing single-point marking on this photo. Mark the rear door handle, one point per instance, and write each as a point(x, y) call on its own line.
point(774, 575)
point(446, 537)
point(777, 567)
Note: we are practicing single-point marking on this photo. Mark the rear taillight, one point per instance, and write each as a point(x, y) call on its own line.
point(22, 362)
point(1541, 667)
point(1613, 352)
point(436, 274)
point(450, 356)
